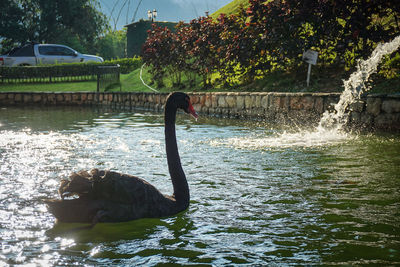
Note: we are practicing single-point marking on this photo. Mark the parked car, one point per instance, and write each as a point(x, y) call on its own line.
point(34, 54)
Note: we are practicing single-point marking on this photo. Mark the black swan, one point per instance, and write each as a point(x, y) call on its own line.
point(107, 196)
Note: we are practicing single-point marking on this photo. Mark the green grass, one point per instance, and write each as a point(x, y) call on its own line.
point(327, 80)
point(49, 87)
point(231, 8)
point(129, 83)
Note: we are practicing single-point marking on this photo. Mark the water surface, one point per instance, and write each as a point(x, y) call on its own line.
point(260, 194)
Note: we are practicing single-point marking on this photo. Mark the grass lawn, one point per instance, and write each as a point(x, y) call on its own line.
point(321, 81)
point(49, 87)
point(129, 83)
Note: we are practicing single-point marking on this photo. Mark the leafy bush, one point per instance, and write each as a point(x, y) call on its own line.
point(160, 53)
point(127, 64)
point(390, 68)
point(272, 35)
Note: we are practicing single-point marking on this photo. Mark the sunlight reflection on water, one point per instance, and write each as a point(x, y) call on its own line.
point(300, 139)
point(259, 195)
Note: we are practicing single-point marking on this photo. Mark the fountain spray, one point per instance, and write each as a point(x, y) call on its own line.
point(355, 86)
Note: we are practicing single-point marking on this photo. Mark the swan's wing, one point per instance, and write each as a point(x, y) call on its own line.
point(121, 196)
point(123, 188)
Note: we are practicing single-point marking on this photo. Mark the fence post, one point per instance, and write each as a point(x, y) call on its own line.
point(119, 77)
point(98, 81)
point(108, 76)
point(97, 68)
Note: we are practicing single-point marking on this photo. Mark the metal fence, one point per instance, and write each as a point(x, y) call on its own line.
point(48, 74)
point(108, 77)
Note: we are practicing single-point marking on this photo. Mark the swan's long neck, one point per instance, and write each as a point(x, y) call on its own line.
point(179, 182)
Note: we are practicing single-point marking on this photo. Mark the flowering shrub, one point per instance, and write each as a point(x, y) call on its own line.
point(270, 35)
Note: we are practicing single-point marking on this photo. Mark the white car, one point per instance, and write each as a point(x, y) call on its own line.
point(36, 54)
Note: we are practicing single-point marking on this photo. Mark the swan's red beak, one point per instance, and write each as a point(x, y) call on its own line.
point(192, 111)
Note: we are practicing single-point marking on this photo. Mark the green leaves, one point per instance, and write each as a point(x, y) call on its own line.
point(51, 21)
point(269, 36)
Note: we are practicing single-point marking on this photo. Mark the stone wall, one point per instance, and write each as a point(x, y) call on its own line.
point(371, 112)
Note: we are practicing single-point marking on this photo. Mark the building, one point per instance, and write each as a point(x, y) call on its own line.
point(137, 34)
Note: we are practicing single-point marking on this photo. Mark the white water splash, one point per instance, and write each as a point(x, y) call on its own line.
point(330, 130)
point(300, 139)
point(355, 86)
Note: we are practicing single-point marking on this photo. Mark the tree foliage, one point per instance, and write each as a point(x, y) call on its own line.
point(112, 45)
point(271, 35)
point(74, 22)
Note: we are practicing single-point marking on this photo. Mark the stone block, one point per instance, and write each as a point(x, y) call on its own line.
point(37, 98)
point(240, 104)
point(158, 107)
point(357, 106)
point(367, 119)
point(388, 121)
point(255, 112)
point(27, 98)
point(231, 101)
point(374, 105)
point(204, 110)
point(391, 106)
point(214, 101)
point(163, 99)
point(67, 97)
point(248, 101)
point(17, 97)
point(280, 103)
point(157, 99)
point(51, 98)
point(76, 97)
point(194, 99)
point(127, 98)
point(257, 101)
point(301, 103)
point(208, 101)
point(308, 103)
point(221, 101)
point(319, 105)
point(225, 111)
point(59, 98)
point(265, 102)
point(197, 107)
point(202, 99)
point(84, 97)
point(295, 103)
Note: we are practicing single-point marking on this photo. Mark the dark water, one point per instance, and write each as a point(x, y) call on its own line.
point(260, 195)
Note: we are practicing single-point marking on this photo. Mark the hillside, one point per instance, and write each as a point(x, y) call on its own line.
point(230, 8)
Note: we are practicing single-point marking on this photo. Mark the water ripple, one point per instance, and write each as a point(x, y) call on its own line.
point(260, 196)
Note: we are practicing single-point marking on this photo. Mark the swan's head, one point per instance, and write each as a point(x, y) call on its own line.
point(182, 101)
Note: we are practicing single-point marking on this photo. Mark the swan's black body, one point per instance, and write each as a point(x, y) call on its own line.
point(108, 196)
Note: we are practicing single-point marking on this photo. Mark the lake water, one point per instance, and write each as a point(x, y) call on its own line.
point(260, 194)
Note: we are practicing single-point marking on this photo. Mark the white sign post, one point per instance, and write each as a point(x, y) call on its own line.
point(310, 56)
